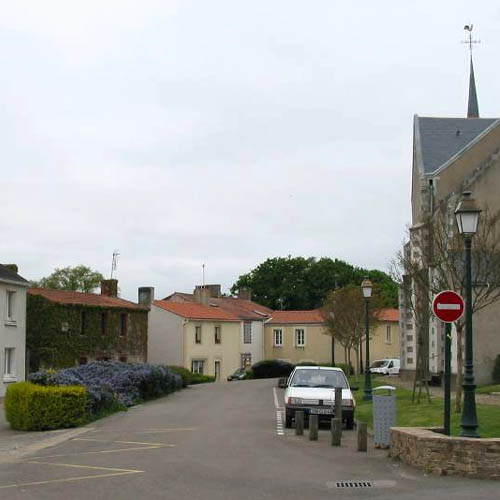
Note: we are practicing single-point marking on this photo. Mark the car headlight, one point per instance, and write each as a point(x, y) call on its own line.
point(294, 401)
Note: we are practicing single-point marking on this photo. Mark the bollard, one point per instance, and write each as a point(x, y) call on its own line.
point(299, 423)
point(336, 431)
point(313, 427)
point(362, 436)
point(338, 406)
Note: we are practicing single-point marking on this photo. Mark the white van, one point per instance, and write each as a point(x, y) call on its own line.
point(388, 366)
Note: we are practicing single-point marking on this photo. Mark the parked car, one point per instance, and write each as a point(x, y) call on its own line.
point(239, 374)
point(311, 389)
point(388, 366)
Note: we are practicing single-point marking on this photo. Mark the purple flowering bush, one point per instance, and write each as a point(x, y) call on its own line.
point(113, 382)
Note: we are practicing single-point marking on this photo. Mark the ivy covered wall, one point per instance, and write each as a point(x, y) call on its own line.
point(55, 337)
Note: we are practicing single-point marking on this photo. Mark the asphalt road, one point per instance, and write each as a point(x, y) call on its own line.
point(217, 441)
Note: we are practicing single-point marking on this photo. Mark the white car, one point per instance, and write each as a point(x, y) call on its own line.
point(388, 366)
point(311, 389)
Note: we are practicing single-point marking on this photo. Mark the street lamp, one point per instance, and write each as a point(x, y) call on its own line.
point(467, 215)
point(367, 287)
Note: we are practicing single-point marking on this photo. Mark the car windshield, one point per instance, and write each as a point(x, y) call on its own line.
point(319, 378)
point(379, 364)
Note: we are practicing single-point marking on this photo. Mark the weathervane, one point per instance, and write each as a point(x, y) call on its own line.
point(470, 41)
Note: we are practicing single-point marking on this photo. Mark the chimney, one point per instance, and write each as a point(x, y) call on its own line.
point(202, 295)
point(109, 288)
point(12, 267)
point(215, 291)
point(146, 296)
point(244, 293)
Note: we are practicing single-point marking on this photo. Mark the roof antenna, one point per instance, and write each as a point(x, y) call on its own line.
point(472, 107)
point(203, 274)
point(113, 262)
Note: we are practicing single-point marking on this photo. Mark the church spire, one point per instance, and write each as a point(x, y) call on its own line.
point(472, 107)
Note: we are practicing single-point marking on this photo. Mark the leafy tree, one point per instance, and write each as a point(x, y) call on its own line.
point(78, 278)
point(303, 283)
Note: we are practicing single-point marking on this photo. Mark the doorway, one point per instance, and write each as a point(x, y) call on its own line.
point(217, 371)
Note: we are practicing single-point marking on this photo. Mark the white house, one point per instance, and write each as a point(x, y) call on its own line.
point(13, 290)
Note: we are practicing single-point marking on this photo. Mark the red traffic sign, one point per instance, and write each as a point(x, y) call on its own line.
point(448, 306)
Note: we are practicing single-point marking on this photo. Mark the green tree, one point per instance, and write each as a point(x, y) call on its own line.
point(78, 278)
point(303, 283)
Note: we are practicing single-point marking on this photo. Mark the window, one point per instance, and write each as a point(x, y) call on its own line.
point(388, 334)
point(197, 334)
point(197, 366)
point(10, 306)
point(247, 332)
point(217, 335)
point(409, 338)
point(409, 349)
point(278, 338)
point(300, 337)
point(84, 322)
point(9, 369)
point(409, 361)
point(104, 323)
point(123, 324)
point(409, 326)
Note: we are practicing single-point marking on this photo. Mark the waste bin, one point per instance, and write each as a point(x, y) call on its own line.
point(384, 414)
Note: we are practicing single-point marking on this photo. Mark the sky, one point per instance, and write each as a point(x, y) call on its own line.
point(222, 132)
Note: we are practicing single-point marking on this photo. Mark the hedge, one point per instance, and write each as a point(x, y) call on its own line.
point(270, 368)
point(31, 407)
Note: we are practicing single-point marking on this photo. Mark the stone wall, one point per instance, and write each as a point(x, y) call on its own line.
point(444, 455)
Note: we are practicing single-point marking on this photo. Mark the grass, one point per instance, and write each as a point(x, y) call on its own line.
point(488, 389)
point(425, 414)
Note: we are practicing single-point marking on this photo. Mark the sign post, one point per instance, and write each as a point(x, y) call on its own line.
point(448, 306)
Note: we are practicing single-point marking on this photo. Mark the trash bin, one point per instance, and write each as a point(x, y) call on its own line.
point(384, 414)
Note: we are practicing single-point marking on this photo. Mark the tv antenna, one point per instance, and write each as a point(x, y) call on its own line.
point(114, 262)
point(470, 41)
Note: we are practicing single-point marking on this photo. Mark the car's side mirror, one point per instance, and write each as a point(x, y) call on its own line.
point(282, 382)
point(355, 388)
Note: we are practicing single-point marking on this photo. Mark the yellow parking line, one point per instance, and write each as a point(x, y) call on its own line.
point(105, 451)
point(123, 442)
point(146, 431)
point(83, 466)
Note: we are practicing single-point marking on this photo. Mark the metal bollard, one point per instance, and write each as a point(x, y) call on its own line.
point(338, 405)
point(299, 423)
point(362, 436)
point(336, 431)
point(313, 427)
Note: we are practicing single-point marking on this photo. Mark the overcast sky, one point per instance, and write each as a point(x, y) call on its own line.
point(221, 131)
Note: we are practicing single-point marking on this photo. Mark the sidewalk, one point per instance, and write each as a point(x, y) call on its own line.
point(486, 399)
point(14, 444)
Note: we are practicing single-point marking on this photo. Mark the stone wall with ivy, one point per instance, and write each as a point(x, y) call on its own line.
point(55, 337)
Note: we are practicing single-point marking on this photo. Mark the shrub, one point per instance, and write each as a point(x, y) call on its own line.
point(249, 373)
point(109, 382)
point(201, 379)
point(347, 369)
point(32, 407)
point(496, 370)
point(184, 373)
point(307, 363)
point(270, 368)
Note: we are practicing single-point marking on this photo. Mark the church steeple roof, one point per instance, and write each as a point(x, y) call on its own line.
point(473, 107)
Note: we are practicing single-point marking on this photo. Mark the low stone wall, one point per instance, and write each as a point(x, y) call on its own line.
point(444, 455)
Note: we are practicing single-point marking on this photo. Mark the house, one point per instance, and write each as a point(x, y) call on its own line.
point(450, 155)
point(252, 317)
point(384, 335)
point(65, 328)
point(12, 326)
point(202, 338)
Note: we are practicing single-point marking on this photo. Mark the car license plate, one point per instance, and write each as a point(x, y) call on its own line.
point(321, 411)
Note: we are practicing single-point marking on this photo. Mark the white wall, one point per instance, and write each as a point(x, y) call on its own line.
point(165, 337)
point(256, 348)
point(12, 333)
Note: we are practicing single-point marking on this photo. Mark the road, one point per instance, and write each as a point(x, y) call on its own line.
point(217, 441)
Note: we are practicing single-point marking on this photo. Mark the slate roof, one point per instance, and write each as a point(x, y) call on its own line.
point(9, 275)
point(296, 317)
point(84, 299)
point(192, 310)
point(438, 140)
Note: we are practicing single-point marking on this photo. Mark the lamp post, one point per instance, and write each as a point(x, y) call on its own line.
point(366, 286)
point(467, 216)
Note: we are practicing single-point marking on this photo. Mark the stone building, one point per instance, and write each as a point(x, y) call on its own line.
point(65, 328)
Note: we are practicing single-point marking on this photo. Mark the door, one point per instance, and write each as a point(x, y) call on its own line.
point(217, 370)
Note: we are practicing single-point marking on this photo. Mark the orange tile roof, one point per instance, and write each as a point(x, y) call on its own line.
point(388, 315)
point(84, 299)
point(296, 317)
point(191, 310)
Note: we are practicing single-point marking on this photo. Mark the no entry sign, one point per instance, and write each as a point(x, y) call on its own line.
point(448, 306)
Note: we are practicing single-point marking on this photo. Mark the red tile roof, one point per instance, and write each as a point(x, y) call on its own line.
point(84, 299)
point(297, 317)
point(388, 315)
point(191, 310)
